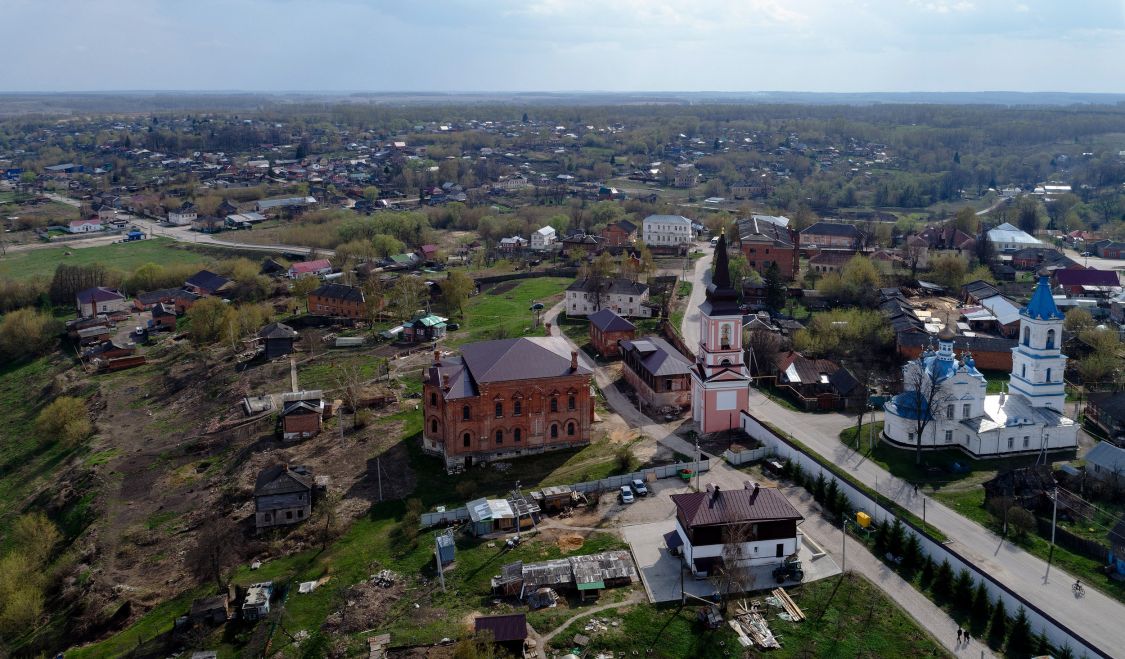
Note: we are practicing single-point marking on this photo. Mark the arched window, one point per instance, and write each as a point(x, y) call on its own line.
point(517, 407)
point(433, 425)
point(466, 413)
point(554, 430)
point(499, 410)
point(725, 362)
point(467, 440)
point(570, 402)
point(499, 436)
point(554, 403)
point(570, 429)
point(1027, 336)
point(517, 435)
point(1050, 339)
point(433, 398)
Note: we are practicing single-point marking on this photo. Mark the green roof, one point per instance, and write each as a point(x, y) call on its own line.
point(593, 585)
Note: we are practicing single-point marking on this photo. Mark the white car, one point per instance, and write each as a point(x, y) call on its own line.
point(640, 488)
point(627, 494)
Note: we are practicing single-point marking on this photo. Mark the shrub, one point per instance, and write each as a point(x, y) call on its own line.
point(963, 591)
point(36, 534)
point(65, 420)
point(27, 333)
point(1020, 520)
point(942, 585)
point(626, 461)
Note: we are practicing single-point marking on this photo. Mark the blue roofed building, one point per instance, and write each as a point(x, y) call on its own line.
point(945, 388)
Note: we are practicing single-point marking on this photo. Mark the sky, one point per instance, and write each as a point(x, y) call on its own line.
point(564, 45)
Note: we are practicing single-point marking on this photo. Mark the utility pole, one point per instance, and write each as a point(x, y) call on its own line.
point(1054, 517)
point(844, 545)
point(697, 462)
point(437, 557)
point(379, 470)
point(923, 512)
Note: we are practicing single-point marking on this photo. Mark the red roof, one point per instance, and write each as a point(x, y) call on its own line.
point(311, 266)
point(1090, 277)
point(734, 506)
point(504, 628)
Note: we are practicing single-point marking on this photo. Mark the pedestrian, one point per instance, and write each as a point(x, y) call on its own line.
point(958, 636)
point(915, 489)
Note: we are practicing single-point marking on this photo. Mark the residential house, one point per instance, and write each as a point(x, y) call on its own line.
point(1005, 312)
point(256, 604)
point(619, 234)
point(1037, 258)
point(659, 374)
point(947, 238)
point(1086, 282)
point(89, 225)
point(543, 238)
point(338, 300)
point(100, 300)
point(765, 243)
point(314, 268)
point(428, 252)
point(666, 230)
point(163, 316)
point(210, 610)
point(184, 215)
point(424, 327)
point(607, 329)
point(759, 525)
point(992, 353)
point(107, 214)
point(277, 340)
point(579, 245)
point(206, 283)
point(1106, 463)
point(504, 398)
point(1007, 238)
point(179, 298)
point(512, 244)
point(817, 384)
point(686, 176)
point(742, 190)
point(245, 220)
point(829, 261)
point(1106, 411)
point(623, 296)
point(302, 414)
point(283, 495)
point(832, 235)
point(1111, 250)
point(1117, 308)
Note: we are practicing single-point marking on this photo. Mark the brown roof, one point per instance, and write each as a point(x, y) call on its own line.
point(504, 628)
point(734, 506)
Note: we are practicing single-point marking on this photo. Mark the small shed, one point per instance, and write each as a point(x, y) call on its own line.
point(446, 548)
point(301, 414)
point(509, 631)
point(277, 339)
point(210, 610)
point(554, 498)
point(256, 604)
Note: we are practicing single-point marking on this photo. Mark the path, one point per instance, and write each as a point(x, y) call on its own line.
point(1096, 618)
point(635, 597)
point(928, 615)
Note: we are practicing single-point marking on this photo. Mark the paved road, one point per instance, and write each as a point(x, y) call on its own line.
point(1097, 618)
point(1095, 261)
point(700, 277)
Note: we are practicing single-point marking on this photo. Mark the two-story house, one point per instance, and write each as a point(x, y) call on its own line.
point(184, 215)
point(765, 243)
point(283, 495)
point(624, 297)
point(619, 234)
point(337, 300)
point(666, 230)
point(543, 238)
point(659, 374)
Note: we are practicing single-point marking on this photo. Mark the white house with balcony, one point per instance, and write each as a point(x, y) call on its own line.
point(950, 395)
point(543, 238)
point(666, 230)
point(753, 527)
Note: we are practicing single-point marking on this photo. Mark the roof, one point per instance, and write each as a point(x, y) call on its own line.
point(1090, 277)
point(305, 267)
point(757, 230)
point(1108, 402)
point(608, 321)
point(779, 220)
point(804, 370)
point(666, 219)
point(837, 229)
point(973, 344)
point(1002, 308)
point(99, 294)
point(277, 331)
point(507, 628)
point(339, 292)
point(1042, 305)
point(283, 479)
point(287, 201)
point(208, 280)
point(1107, 456)
point(980, 289)
point(489, 509)
point(734, 506)
point(1006, 233)
point(616, 286)
point(657, 356)
point(519, 359)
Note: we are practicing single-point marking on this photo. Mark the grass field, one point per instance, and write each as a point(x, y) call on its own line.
point(847, 617)
point(125, 257)
point(504, 308)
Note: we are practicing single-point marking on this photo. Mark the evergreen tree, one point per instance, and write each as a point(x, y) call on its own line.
point(1019, 638)
point(843, 504)
point(1042, 643)
point(998, 625)
point(830, 493)
point(911, 555)
point(981, 610)
point(818, 488)
point(525, 117)
point(897, 538)
point(882, 534)
point(927, 572)
point(963, 591)
point(775, 287)
point(1066, 652)
point(942, 586)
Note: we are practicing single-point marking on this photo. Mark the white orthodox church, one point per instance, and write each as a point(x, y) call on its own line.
point(1028, 418)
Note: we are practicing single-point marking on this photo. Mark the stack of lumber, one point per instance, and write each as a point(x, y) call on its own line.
point(788, 604)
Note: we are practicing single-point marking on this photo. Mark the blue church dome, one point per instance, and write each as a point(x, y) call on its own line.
point(1042, 305)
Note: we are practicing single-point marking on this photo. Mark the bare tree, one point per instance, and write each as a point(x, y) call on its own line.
point(734, 575)
point(761, 345)
point(927, 403)
point(216, 548)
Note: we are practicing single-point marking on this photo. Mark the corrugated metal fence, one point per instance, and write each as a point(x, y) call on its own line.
point(603, 485)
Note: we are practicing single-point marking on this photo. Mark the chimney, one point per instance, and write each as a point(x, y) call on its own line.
point(445, 382)
point(715, 493)
point(754, 496)
point(574, 360)
point(437, 357)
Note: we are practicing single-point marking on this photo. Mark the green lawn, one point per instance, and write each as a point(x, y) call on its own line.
point(847, 616)
point(124, 256)
point(505, 309)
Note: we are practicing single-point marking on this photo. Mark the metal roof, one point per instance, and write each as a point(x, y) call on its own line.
point(734, 506)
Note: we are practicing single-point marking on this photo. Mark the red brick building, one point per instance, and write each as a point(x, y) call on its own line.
point(991, 353)
point(506, 398)
point(619, 234)
point(764, 243)
point(337, 300)
point(606, 329)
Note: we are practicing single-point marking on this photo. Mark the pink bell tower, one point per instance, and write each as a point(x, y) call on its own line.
point(720, 382)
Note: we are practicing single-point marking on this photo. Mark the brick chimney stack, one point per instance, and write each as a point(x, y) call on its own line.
point(445, 382)
point(574, 360)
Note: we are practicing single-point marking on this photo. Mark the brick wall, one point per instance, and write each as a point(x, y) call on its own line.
point(986, 360)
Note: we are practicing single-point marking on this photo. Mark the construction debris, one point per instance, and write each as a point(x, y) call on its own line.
point(788, 604)
point(385, 578)
point(752, 628)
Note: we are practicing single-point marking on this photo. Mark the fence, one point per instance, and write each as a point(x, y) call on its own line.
point(742, 457)
point(1075, 543)
point(1058, 633)
point(603, 485)
point(481, 282)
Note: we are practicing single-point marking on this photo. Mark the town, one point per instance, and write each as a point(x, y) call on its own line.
point(538, 379)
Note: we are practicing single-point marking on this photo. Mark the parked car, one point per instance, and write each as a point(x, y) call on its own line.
point(627, 494)
point(452, 327)
point(639, 487)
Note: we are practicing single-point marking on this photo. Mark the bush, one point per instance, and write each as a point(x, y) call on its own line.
point(626, 461)
point(963, 591)
point(998, 625)
point(36, 534)
point(1020, 520)
point(65, 420)
point(27, 333)
point(942, 586)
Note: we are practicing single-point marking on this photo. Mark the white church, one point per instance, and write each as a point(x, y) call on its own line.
point(1027, 418)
